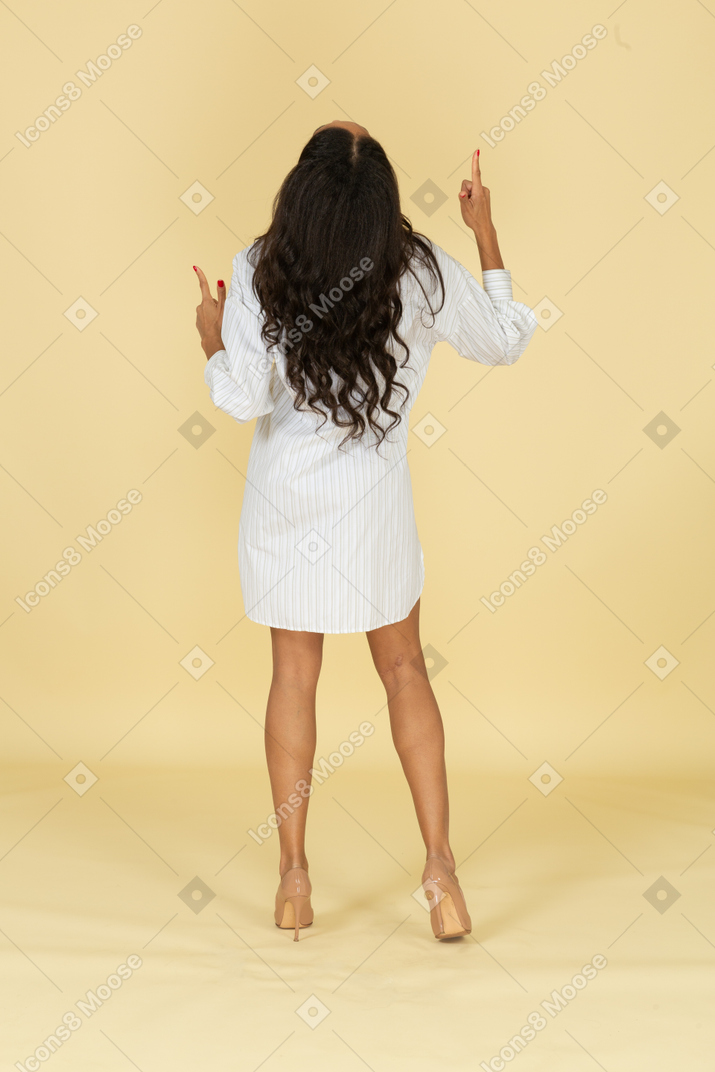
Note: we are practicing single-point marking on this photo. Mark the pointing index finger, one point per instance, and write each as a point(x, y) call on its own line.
point(203, 283)
point(476, 172)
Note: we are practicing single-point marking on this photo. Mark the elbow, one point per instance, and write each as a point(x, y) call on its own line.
point(512, 355)
point(513, 348)
point(238, 409)
point(507, 354)
point(242, 414)
point(241, 418)
point(240, 405)
point(516, 339)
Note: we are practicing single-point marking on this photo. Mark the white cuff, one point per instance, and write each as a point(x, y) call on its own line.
point(211, 365)
point(497, 283)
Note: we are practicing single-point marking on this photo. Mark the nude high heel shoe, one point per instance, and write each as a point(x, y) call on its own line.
point(293, 908)
point(448, 909)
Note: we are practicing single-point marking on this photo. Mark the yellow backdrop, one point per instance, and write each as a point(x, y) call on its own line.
point(579, 701)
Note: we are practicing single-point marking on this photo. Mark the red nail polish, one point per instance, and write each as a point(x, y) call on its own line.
point(194, 267)
point(220, 282)
point(477, 152)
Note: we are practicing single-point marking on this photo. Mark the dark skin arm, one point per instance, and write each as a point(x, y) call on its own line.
point(209, 316)
point(475, 203)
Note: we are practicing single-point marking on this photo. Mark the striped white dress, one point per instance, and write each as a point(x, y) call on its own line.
point(327, 539)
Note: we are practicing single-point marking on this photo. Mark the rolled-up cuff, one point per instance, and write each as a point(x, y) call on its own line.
point(211, 364)
point(497, 283)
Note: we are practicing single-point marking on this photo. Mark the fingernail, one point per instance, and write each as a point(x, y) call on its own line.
point(194, 267)
point(477, 152)
point(220, 282)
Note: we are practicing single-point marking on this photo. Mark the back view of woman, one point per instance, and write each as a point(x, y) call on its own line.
point(325, 336)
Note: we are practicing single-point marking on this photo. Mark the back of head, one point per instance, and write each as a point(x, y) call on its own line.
point(326, 273)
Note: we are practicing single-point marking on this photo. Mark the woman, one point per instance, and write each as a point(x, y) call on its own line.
point(325, 336)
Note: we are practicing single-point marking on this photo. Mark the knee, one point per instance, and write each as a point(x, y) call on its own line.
point(397, 668)
point(299, 675)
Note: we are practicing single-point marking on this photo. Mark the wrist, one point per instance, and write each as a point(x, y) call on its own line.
point(488, 246)
point(490, 260)
point(211, 344)
point(485, 234)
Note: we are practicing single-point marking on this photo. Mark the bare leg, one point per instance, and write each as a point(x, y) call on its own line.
point(416, 725)
point(290, 734)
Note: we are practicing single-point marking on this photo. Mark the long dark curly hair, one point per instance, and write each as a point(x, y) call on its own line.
point(326, 275)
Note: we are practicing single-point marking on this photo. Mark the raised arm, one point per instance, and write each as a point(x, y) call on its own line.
point(482, 323)
point(476, 205)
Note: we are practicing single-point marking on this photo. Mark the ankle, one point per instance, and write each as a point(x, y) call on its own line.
point(289, 862)
point(444, 853)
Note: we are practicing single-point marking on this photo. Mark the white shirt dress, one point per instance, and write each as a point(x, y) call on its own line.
point(327, 538)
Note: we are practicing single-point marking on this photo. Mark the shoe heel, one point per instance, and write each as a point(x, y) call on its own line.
point(446, 918)
point(293, 908)
point(435, 916)
point(448, 912)
point(297, 901)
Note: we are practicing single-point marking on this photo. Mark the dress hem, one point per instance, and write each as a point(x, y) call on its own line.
point(363, 629)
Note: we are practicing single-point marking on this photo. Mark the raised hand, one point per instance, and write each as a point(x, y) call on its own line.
point(476, 206)
point(209, 315)
point(475, 200)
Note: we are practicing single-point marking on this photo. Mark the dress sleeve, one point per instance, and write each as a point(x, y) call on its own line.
point(239, 377)
point(483, 324)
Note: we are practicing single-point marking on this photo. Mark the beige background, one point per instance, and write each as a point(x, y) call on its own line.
point(566, 673)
